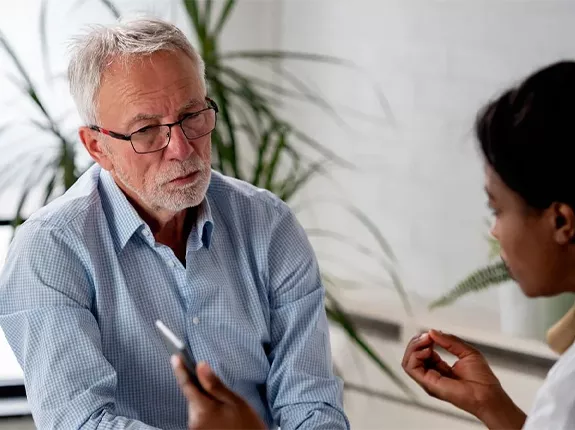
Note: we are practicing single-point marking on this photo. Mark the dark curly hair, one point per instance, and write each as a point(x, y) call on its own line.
point(527, 136)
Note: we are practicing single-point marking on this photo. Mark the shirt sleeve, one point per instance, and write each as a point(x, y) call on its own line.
point(45, 312)
point(303, 391)
point(554, 405)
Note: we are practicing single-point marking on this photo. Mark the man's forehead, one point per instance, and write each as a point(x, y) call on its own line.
point(149, 92)
point(144, 74)
point(153, 114)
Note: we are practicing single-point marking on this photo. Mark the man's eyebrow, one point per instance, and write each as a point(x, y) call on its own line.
point(193, 104)
point(141, 117)
point(144, 116)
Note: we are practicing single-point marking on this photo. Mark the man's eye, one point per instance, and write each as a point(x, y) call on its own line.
point(146, 129)
point(191, 115)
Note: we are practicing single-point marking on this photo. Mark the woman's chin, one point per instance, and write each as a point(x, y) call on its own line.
point(530, 291)
point(534, 291)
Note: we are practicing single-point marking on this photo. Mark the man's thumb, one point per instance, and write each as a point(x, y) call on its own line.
point(213, 385)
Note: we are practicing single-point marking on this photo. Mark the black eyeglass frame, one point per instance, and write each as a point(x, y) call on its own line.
point(128, 137)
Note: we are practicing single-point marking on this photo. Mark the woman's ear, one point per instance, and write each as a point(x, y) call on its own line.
point(564, 219)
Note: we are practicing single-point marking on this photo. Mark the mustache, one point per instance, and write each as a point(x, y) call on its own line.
point(179, 169)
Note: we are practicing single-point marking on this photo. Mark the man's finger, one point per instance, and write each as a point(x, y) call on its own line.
point(190, 391)
point(417, 343)
point(452, 344)
point(213, 385)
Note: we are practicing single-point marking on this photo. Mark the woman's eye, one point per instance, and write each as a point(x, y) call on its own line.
point(494, 211)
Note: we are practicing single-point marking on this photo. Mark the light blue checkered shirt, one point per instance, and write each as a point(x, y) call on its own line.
point(85, 280)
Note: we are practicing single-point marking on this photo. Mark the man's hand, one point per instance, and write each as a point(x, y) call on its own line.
point(224, 410)
point(469, 384)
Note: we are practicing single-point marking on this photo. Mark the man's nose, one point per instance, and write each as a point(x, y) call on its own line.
point(180, 147)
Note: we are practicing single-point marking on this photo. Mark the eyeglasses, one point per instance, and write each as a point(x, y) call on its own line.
point(154, 138)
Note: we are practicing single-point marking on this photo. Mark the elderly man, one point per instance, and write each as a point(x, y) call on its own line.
point(150, 232)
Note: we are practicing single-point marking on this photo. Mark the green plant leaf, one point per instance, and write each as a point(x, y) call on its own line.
point(229, 125)
point(223, 18)
point(302, 91)
point(12, 170)
point(385, 247)
point(494, 248)
point(67, 164)
point(197, 20)
point(18, 219)
point(387, 266)
point(479, 280)
point(112, 8)
point(208, 4)
point(322, 150)
point(12, 54)
point(270, 55)
point(28, 88)
point(293, 184)
point(49, 189)
point(310, 95)
point(336, 313)
point(218, 149)
point(276, 154)
point(32, 179)
point(357, 276)
point(44, 39)
point(260, 162)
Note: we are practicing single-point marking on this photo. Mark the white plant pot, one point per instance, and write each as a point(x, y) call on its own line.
point(521, 316)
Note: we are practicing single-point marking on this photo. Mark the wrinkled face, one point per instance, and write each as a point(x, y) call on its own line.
point(161, 89)
point(534, 243)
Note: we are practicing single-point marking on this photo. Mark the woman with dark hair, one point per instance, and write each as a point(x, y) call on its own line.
point(527, 137)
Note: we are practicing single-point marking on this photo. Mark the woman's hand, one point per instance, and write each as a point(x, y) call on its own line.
point(469, 384)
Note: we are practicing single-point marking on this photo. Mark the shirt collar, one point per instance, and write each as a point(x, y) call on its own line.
point(201, 234)
point(124, 221)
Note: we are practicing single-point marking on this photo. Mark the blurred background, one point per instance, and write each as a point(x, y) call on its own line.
point(360, 115)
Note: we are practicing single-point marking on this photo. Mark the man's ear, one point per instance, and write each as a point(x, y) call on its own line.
point(564, 220)
point(93, 142)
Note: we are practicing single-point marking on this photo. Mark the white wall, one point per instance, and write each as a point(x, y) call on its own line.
point(436, 62)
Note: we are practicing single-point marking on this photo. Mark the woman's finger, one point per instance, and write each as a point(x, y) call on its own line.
point(452, 344)
point(416, 343)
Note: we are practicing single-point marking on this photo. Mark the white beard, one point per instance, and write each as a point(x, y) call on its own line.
point(157, 193)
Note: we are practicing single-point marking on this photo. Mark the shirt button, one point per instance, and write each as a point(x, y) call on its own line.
point(146, 232)
point(171, 263)
point(196, 320)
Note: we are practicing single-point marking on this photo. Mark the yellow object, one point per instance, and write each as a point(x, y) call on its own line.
point(562, 334)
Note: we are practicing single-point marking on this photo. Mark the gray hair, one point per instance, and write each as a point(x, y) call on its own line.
point(94, 51)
